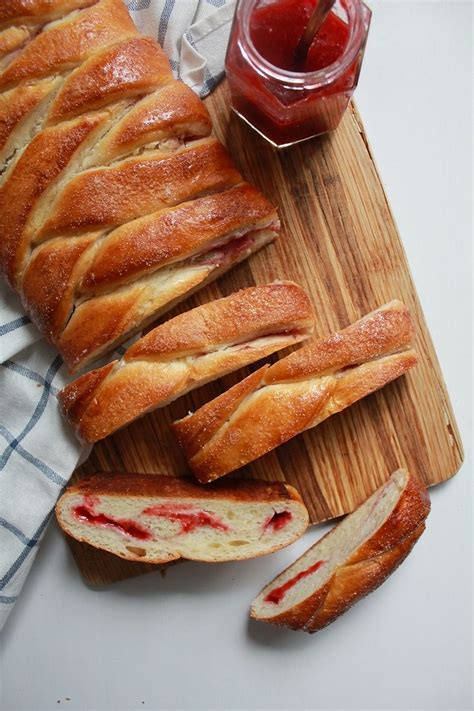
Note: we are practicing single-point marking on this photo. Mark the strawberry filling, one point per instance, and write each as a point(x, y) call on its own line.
point(278, 521)
point(276, 595)
point(226, 253)
point(124, 526)
point(189, 518)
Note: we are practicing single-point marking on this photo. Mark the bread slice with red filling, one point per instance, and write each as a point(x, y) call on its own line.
point(352, 560)
point(157, 519)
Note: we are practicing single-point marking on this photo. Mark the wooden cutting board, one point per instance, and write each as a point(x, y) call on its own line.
point(339, 241)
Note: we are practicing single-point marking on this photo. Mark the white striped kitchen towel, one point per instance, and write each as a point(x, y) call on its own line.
point(38, 452)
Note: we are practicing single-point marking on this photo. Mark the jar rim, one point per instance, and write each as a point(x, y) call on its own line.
point(356, 10)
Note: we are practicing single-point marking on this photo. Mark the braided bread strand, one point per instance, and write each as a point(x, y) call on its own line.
point(96, 135)
point(297, 393)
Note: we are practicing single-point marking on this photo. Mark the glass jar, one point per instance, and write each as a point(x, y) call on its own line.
point(287, 106)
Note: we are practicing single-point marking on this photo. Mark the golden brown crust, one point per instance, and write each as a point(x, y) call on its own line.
point(12, 39)
point(63, 269)
point(127, 69)
point(75, 397)
point(174, 111)
point(358, 382)
point(38, 10)
point(297, 616)
point(296, 393)
point(189, 350)
point(103, 322)
point(123, 397)
point(365, 570)
point(15, 105)
point(174, 234)
point(409, 514)
point(281, 411)
point(106, 197)
point(250, 313)
point(67, 44)
point(267, 418)
point(40, 164)
point(194, 431)
point(352, 583)
point(146, 485)
point(49, 282)
point(137, 488)
point(385, 330)
point(96, 133)
point(107, 320)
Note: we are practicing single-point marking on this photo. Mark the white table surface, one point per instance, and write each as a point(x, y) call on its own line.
point(184, 642)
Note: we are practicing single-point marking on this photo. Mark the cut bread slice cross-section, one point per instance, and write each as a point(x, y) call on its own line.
point(186, 352)
point(158, 519)
point(349, 562)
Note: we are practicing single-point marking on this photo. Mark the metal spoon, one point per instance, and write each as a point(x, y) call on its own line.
point(319, 14)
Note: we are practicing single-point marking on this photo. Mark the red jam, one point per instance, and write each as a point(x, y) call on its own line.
point(124, 526)
point(276, 29)
point(284, 100)
point(277, 594)
point(188, 518)
point(278, 520)
point(226, 253)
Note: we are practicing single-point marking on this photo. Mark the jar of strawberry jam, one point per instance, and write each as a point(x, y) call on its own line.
point(286, 100)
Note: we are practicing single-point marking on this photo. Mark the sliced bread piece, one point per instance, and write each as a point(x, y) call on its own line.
point(298, 392)
point(157, 519)
point(352, 560)
point(186, 352)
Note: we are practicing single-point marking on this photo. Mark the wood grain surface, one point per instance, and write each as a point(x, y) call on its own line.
point(339, 241)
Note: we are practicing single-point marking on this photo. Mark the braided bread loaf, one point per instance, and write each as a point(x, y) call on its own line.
point(186, 352)
point(351, 561)
point(298, 392)
point(115, 202)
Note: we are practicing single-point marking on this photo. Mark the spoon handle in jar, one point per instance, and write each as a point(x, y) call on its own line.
point(319, 14)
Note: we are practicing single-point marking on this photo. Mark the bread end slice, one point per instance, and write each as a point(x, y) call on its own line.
point(351, 561)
